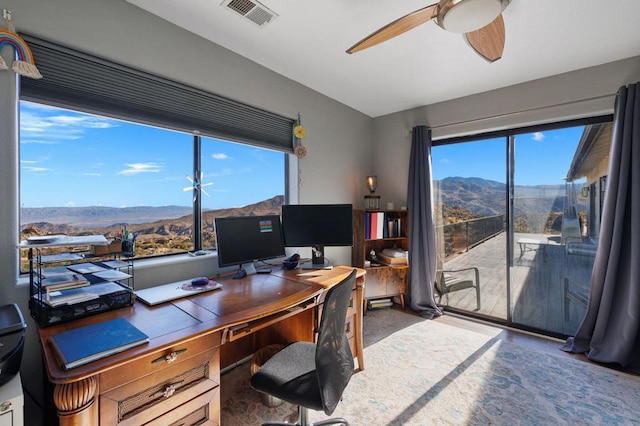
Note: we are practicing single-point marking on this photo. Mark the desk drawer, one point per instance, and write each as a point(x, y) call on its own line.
point(202, 410)
point(157, 361)
point(154, 395)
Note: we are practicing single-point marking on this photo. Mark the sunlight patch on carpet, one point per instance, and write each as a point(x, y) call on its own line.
point(421, 372)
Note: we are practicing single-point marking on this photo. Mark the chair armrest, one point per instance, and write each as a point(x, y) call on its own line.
point(580, 293)
point(472, 268)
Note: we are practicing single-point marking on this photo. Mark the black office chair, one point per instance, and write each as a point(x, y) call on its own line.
point(314, 375)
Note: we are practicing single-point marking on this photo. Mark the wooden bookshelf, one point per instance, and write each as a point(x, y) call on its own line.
point(385, 280)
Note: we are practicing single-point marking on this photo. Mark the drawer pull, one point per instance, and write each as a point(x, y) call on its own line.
point(5, 406)
point(170, 357)
point(168, 391)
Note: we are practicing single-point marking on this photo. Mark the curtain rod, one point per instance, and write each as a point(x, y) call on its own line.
point(516, 113)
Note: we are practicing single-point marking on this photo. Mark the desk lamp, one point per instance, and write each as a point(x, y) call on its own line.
point(372, 201)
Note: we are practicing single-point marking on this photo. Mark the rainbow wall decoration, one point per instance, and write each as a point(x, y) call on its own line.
point(25, 65)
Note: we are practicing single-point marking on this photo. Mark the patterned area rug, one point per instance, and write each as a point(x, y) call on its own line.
point(421, 372)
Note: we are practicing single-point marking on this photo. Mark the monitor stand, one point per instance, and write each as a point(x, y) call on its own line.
point(317, 259)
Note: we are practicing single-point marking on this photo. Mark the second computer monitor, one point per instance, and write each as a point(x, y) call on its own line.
point(317, 226)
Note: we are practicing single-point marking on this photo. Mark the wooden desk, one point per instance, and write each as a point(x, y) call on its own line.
point(176, 377)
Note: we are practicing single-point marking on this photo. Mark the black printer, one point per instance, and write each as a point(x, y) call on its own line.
point(12, 332)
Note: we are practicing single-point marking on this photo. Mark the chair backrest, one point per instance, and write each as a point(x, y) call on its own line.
point(334, 360)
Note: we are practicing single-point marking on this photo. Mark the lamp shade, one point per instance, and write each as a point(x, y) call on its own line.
point(372, 183)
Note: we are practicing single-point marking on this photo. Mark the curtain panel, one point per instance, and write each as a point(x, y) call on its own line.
point(422, 230)
point(610, 329)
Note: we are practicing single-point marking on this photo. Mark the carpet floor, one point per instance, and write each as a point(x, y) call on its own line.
point(421, 372)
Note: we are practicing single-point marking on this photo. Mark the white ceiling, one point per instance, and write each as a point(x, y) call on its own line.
point(307, 43)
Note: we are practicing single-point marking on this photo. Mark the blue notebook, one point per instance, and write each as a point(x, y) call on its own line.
point(85, 344)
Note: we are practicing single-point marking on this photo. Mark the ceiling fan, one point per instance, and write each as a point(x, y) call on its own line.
point(479, 20)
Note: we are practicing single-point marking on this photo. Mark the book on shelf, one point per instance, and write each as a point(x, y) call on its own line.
point(379, 303)
point(89, 343)
point(373, 226)
point(393, 257)
point(392, 261)
point(379, 225)
point(367, 225)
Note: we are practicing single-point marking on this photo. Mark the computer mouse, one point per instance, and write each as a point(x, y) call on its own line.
point(200, 281)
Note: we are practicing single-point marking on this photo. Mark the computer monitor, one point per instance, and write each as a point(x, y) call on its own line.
point(242, 240)
point(317, 226)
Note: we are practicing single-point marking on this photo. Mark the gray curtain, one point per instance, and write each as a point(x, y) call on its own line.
point(610, 330)
point(422, 230)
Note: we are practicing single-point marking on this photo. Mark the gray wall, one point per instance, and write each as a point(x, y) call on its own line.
point(583, 93)
point(336, 135)
point(340, 151)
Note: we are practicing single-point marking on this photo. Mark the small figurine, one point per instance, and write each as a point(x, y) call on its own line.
point(374, 258)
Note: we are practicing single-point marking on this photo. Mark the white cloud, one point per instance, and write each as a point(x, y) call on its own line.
point(220, 156)
point(135, 168)
point(40, 124)
point(34, 169)
point(538, 136)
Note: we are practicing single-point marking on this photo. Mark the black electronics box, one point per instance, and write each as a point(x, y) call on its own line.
point(12, 332)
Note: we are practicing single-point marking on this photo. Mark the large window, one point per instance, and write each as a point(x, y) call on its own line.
point(514, 208)
point(82, 174)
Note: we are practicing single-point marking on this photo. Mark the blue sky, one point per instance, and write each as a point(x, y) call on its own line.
point(72, 159)
point(542, 158)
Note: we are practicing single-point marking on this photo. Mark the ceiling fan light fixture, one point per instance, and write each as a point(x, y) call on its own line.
point(462, 16)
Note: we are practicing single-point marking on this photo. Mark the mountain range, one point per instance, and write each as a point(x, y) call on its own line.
point(487, 198)
point(170, 228)
point(165, 221)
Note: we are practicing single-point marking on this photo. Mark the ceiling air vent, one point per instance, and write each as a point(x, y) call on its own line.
point(254, 11)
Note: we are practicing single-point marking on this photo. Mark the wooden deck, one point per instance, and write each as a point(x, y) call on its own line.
point(537, 277)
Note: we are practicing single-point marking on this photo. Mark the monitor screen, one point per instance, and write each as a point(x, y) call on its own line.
point(245, 239)
point(317, 226)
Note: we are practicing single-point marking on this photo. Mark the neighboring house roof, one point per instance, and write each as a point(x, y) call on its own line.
point(594, 146)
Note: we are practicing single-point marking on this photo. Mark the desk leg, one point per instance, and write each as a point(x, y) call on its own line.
point(76, 402)
point(358, 321)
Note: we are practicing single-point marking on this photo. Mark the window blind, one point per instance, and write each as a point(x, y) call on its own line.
point(80, 81)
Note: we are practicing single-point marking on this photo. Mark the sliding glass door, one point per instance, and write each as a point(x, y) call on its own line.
point(548, 214)
point(518, 222)
point(470, 205)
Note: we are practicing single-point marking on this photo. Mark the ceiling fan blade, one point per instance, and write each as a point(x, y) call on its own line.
point(488, 41)
point(395, 28)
